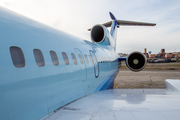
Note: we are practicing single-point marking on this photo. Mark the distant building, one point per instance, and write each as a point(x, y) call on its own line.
point(163, 51)
point(145, 53)
point(162, 56)
point(122, 54)
point(152, 55)
point(168, 55)
point(177, 55)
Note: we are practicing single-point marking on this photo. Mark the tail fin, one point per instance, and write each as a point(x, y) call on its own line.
point(114, 25)
point(112, 16)
point(113, 32)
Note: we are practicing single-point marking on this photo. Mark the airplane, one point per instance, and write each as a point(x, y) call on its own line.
point(48, 74)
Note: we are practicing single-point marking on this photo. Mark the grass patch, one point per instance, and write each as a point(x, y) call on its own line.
point(156, 67)
point(123, 67)
point(174, 65)
point(162, 68)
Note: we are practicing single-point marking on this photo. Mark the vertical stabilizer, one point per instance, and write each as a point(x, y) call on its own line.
point(113, 31)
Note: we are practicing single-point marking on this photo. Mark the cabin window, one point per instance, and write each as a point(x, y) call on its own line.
point(90, 59)
point(54, 58)
point(17, 57)
point(74, 58)
point(39, 57)
point(85, 56)
point(65, 57)
point(80, 58)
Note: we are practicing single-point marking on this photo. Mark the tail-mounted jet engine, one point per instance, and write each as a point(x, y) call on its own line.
point(136, 61)
point(100, 34)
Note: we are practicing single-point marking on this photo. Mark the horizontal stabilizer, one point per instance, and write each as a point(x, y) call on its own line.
point(127, 23)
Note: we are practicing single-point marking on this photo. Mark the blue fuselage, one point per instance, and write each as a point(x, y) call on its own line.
point(32, 91)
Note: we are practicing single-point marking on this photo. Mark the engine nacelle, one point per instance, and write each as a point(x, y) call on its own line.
point(100, 34)
point(136, 61)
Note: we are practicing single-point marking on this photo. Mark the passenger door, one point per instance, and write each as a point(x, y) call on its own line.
point(95, 62)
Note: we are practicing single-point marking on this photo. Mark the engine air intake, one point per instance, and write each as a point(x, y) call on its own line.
point(136, 61)
point(98, 34)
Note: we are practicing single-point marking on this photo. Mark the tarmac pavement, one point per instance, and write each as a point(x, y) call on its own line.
point(144, 79)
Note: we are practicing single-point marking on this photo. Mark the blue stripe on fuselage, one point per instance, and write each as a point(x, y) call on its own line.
point(113, 27)
point(107, 83)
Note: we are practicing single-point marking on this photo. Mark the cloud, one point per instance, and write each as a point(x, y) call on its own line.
point(76, 17)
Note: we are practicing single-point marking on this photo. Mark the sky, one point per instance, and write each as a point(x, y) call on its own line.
point(76, 16)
